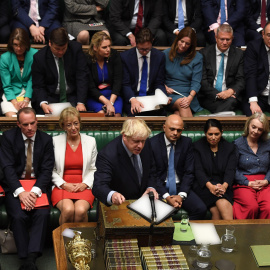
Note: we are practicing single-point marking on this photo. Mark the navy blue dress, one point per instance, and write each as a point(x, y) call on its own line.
point(96, 106)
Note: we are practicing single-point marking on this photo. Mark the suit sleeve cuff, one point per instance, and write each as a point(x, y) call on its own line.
point(213, 26)
point(183, 194)
point(259, 29)
point(37, 191)
point(46, 102)
point(18, 191)
point(252, 99)
point(165, 195)
point(109, 197)
point(175, 30)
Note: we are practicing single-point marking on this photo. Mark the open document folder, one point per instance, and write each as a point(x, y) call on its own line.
point(143, 208)
point(152, 103)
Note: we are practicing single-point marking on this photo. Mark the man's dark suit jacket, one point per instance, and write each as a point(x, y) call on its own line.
point(234, 75)
point(12, 158)
point(116, 172)
point(183, 162)
point(254, 11)
point(256, 68)
point(194, 14)
point(236, 10)
point(114, 65)
point(131, 74)
point(48, 12)
point(121, 13)
point(45, 76)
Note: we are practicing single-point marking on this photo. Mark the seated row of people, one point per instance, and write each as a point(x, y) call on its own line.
point(107, 82)
point(122, 19)
point(211, 174)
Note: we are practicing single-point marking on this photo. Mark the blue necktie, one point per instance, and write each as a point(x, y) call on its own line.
point(143, 85)
point(220, 74)
point(181, 23)
point(137, 168)
point(171, 184)
point(222, 12)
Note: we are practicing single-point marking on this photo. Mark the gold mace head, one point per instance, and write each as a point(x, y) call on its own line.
point(79, 252)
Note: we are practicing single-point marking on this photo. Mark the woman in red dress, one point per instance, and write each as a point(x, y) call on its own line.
point(73, 174)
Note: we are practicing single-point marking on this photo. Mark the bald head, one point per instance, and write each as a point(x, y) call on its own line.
point(173, 127)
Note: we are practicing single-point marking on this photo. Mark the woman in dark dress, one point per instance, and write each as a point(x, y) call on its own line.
point(105, 77)
point(215, 164)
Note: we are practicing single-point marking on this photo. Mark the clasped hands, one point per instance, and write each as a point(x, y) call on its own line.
point(258, 184)
point(175, 200)
point(76, 187)
point(118, 198)
point(226, 94)
point(218, 189)
point(28, 199)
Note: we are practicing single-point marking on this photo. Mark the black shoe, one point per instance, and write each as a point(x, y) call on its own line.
point(28, 266)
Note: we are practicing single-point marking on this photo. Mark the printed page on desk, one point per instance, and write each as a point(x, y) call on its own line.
point(261, 254)
point(143, 207)
point(205, 233)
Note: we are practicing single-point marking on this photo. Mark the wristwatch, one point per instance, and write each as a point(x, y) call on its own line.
point(182, 196)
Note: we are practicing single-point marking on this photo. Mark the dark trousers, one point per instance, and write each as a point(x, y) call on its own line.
point(120, 40)
point(218, 105)
point(4, 33)
point(29, 227)
point(201, 42)
point(262, 102)
point(55, 24)
point(194, 206)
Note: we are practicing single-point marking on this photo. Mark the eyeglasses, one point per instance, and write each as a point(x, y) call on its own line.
point(17, 45)
point(75, 124)
point(144, 50)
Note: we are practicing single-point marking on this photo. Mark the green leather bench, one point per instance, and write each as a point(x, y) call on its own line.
point(102, 138)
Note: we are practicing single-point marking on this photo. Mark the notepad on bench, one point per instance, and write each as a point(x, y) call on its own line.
point(41, 202)
point(261, 254)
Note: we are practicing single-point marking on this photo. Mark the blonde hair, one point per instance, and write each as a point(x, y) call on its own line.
point(96, 41)
point(263, 119)
point(136, 128)
point(69, 112)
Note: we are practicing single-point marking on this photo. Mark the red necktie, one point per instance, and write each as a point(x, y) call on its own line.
point(263, 14)
point(139, 18)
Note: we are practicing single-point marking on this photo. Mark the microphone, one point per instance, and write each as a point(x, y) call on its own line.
point(152, 201)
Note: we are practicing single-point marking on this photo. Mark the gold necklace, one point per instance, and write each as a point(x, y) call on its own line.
point(214, 152)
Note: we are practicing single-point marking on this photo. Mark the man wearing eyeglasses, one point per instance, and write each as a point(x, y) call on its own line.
point(256, 67)
point(223, 79)
point(143, 72)
point(174, 160)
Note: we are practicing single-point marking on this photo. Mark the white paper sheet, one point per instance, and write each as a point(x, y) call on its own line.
point(205, 233)
point(152, 103)
point(58, 108)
